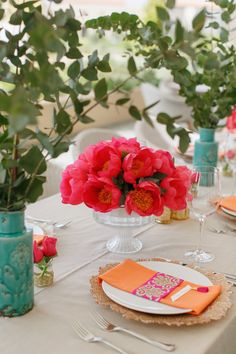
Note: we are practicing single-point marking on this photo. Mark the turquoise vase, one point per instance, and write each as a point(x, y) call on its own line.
point(206, 148)
point(16, 265)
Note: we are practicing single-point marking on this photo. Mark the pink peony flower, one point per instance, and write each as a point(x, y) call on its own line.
point(101, 194)
point(231, 121)
point(175, 192)
point(72, 184)
point(164, 162)
point(126, 146)
point(138, 165)
point(103, 160)
point(145, 199)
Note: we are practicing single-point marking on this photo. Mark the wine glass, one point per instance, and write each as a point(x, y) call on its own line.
point(204, 193)
point(230, 154)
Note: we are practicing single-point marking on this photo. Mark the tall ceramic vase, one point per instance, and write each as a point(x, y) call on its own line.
point(16, 265)
point(206, 148)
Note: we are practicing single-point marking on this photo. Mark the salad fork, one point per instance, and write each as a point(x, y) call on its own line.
point(107, 326)
point(87, 336)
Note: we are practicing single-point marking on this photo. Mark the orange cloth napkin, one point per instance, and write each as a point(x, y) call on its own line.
point(228, 203)
point(130, 275)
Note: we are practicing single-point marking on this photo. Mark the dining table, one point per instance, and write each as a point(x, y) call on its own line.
point(47, 328)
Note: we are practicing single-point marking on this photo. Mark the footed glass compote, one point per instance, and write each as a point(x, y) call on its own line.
point(123, 224)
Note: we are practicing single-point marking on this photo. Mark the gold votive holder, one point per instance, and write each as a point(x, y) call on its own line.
point(180, 214)
point(165, 217)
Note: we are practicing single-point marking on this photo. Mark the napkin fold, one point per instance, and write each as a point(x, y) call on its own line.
point(228, 203)
point(156, 286)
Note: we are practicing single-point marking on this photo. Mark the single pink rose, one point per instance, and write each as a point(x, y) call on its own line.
point(163, 162)
point(126, 146)
point(231, 121)
point(138, 165)
point(38, 253)
point(49, 246)
point(175, 193)
point(101, 194)
point(230, 154)
point(145, 199)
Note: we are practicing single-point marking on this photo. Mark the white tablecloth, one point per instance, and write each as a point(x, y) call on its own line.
point(81, 249)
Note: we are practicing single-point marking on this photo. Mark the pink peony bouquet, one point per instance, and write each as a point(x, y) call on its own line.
point(120, 172)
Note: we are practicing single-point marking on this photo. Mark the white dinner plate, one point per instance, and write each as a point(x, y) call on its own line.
point(139, 304)
point(37, 230)
point(227, 211)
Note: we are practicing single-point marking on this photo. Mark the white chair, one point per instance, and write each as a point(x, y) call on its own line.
point(156, 137)
point(88, 137)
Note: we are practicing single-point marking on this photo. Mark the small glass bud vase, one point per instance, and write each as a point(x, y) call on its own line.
point(43, 278)
point(165, 217)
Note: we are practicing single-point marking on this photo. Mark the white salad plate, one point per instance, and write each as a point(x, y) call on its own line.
point(140, 304)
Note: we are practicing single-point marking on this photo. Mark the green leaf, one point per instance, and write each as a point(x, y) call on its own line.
point(222, 3)
point(122, 101)
point(147, 118)
point(74, 53)
point(36, 189)
point(214, 25)
point(93, 59)
point(199, 20)
point(163, 118)
point(184, 142)
point(224, 35)
point(1, 13)
point(179, 32)
point(45, 141)
point(16, 18)
point(104, 66)
point(134, 112)
point(175, 62)
point(100, 89)
point(86, 119)
point(225, 17)
point(132, 68)
point(170, 4)
point(63, 122)
point(33, 160)
point(90, 74)
point(60, 148)
point(74, 70)
point(162, 13)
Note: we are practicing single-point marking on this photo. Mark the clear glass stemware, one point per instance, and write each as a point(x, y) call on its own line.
point(204, 193)
point(230, 155)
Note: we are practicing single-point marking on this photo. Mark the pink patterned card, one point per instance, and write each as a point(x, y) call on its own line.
point(157, 287)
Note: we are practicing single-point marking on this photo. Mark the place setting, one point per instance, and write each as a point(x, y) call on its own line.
point(153, 290)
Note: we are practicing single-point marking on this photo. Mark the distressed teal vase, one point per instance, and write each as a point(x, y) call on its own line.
point(16, 265)
point(206, 148)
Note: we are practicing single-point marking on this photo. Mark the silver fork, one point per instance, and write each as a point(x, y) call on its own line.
point(107, 326)
point(87, 336)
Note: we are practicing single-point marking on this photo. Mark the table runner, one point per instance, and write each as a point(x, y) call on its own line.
point(47, 328)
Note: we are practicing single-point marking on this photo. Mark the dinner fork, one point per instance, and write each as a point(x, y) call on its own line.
point(87, 336)
point(107, 326)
